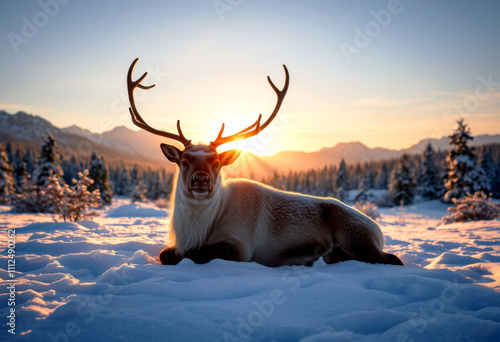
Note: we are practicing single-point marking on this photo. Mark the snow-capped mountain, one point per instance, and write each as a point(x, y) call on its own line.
point(357, 152)
point(139, 143)
point(118, 145)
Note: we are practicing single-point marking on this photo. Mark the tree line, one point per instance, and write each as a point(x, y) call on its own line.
point(430, 175)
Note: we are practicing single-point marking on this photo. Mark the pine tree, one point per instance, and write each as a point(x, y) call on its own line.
point(134, 175)
point(488, 165)
point(383, 177)
point(53, 196)
point(495, 186)
point(355, 178)
point(98, 172)
point(122, 185)
point(29, 160)
point(30, 200)
point(48, 162)
point(167, 184)
point(153, 185)
point(429, 185)
point(402, 187)
point(418, 175)
point(341, 181)
point(463, 175)
point(20, 173)
point(139, 192)
point(79, 199)
point(70, 169)
point(10, 154)
point(363, 189)
point(6, 176)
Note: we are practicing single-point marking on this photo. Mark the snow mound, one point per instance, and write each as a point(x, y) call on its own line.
point(136, 210)
point(100, 280)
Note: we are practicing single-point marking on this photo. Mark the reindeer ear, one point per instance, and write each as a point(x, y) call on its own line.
point(172, 153)
point(228, 157)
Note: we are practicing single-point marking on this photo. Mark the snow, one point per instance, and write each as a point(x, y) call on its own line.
point(99, 280)
point(136, 210)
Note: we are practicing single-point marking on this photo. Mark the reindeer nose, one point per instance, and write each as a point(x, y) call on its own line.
point(200, 180)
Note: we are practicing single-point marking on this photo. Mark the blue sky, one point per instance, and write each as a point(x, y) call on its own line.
point(386, 73)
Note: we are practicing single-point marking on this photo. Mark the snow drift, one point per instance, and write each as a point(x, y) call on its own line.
point(98, 280)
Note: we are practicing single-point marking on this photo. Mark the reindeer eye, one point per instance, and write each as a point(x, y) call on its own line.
point(185, 164)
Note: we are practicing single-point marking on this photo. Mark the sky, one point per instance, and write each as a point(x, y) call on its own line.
point(386, 73)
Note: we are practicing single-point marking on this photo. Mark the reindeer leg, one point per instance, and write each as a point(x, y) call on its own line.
point(365, 251)
point(336, 254)
point(220, 250)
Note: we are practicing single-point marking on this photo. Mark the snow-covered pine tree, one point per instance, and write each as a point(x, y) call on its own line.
point(53, 196)
point(364, 186)
point(134, 176)
point(10, 153)
point(70, 168)
point(20, 173)
point(418, 174)
point(383, 177)
point(341, 181)
point(6, 176)
point(98, 172)
point(48, 162)
point(122, 185)
point(167, 184)
point(139, 192)
point(153, 186)
point(355, 177)
point(429, 183)
point(372, 175)
point(402, 186)
point(495, 186)
point(79, 199)
point(488, 165)
point(30, 162)
point(30, 200)
point(463, 175)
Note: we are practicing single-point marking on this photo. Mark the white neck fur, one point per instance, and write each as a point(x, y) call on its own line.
point(191, 218)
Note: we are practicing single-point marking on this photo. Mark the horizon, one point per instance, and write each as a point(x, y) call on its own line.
point(368, 71)
point(248, 147)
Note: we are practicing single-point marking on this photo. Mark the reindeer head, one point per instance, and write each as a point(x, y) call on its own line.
point(200, 165)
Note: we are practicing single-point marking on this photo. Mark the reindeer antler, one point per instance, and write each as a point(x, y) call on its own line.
point(136, 117)
point(255, 128)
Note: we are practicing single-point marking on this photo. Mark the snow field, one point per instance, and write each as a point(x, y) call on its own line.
point(98, 280)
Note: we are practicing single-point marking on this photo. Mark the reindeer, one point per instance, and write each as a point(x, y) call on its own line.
point(243, 220)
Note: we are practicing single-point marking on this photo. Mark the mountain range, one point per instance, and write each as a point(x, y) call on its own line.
point(124, 146)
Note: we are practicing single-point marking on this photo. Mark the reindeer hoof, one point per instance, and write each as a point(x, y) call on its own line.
point(168, 256)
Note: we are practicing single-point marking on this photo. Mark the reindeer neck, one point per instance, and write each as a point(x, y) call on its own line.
point(192, 219)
